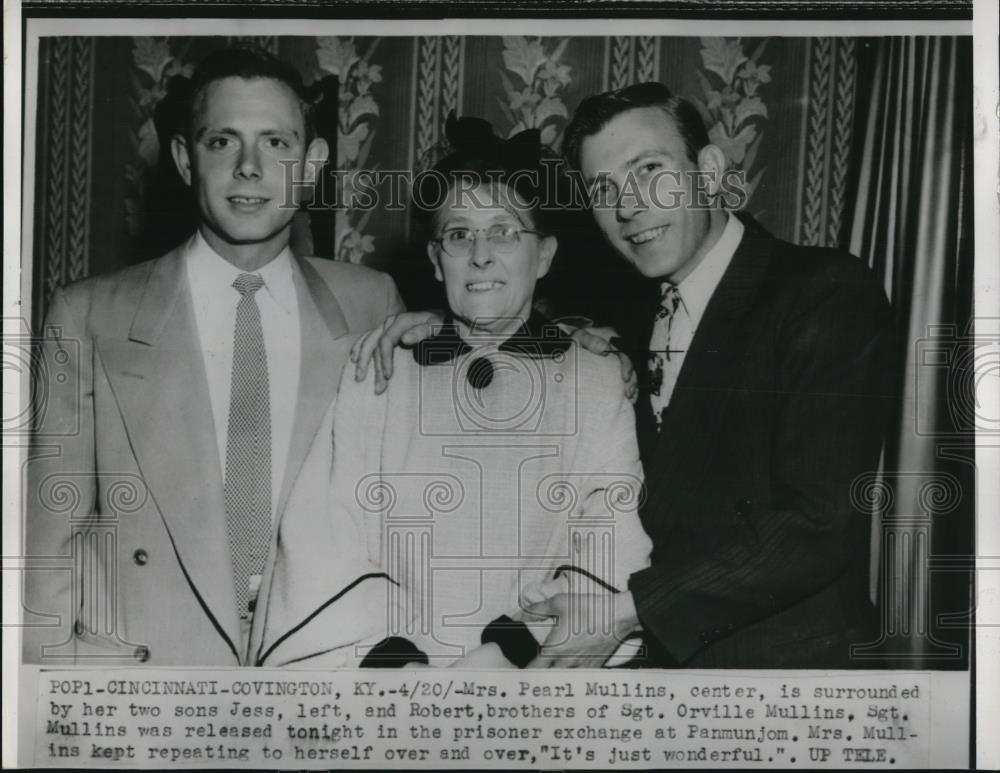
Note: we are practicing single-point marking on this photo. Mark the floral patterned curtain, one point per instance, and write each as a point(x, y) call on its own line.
point(109, 197)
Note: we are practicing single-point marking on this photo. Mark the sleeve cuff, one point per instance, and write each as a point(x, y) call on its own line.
point(651, 604)
point(514, 639)
point(393, 652)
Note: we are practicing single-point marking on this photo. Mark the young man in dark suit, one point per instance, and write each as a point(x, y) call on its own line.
point(765, 396)
point(764, 393)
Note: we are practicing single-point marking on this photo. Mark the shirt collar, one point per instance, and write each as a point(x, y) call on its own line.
point(536, 338)
point(696, 288)
point(210, 270)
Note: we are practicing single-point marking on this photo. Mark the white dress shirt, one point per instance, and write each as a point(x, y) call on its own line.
point(696, 290)
point(211, 277)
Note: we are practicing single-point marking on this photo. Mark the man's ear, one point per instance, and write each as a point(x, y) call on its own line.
point(316, 155)
point(713, 162)
point(182, 159)
point(546, 252)
point(434, 253)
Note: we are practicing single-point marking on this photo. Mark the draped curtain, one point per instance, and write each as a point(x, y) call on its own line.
point(912, 223)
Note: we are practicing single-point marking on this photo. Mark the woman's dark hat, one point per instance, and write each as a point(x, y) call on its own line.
point(470, 137)
point(471, 149)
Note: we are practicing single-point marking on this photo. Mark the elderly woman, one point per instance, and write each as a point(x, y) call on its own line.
point(500, 467)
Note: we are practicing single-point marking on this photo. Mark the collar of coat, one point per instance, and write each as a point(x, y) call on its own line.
point(536, 338)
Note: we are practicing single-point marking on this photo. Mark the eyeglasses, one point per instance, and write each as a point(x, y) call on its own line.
point(458, 242)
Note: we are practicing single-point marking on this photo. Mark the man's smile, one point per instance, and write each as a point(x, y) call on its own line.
point(647, 235)
point(247, 202)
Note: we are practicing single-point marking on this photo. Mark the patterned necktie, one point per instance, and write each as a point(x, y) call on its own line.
point(661, 372)
point(248, 447)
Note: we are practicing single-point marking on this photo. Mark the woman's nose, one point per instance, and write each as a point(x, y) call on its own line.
point(481, 254)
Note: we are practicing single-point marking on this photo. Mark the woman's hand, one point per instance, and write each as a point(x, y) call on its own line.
point(582, 636)
point(538, 591)
point(406, 328)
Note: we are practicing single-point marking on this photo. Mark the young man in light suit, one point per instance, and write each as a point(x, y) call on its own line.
point(765, 389)
point(198, 383)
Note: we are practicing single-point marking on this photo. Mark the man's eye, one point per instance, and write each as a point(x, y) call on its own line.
point(650, 166)
point(277, 142)
point(218, 143)
point(457, 235)
point(604, 191)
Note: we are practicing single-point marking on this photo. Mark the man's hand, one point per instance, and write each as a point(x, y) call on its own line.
point(589, 628)
point(601, 340)
point(406, 328)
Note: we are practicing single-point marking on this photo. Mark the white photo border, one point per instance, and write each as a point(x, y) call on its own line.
point(20, 45)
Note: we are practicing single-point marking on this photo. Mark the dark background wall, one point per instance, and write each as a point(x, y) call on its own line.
point(107, 196)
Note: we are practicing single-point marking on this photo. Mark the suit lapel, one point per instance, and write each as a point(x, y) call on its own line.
point(711, 372)
point(323, 359)
point(325, 349)
point(638, 334)
point(312, 604)
point(158, 378)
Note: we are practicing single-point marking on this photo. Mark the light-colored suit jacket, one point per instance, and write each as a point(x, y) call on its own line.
point(128, 555)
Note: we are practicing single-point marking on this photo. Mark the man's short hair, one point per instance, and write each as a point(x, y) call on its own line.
point(597, 111)
point(250, 62)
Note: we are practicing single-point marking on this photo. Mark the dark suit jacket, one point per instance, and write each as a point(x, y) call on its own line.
point(760, 557)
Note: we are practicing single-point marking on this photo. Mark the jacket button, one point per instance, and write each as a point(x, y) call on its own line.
point(141, 654)
point(141, 557)
point(744, 507)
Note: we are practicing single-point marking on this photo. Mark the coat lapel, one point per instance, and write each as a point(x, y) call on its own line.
point(325, 349)
point(712, 371)
point(323, 359)
point(323, 593)
point(158, 378)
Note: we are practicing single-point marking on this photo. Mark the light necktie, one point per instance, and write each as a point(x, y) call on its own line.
point(248, 448)
point(662, 366)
